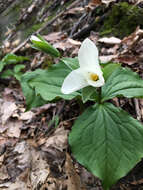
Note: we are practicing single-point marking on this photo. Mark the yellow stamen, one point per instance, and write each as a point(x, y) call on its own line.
point(94, 77)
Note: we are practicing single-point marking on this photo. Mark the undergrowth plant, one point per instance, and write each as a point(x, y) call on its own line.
point(12, 60)
point(105, 139)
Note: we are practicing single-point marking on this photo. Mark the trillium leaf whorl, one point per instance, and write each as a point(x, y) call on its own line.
point(89, 73)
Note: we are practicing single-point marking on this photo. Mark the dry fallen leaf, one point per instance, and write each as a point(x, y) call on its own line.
point(40, 169)
point(73, 182)
point(55, 37)
point(27, 115)
point(13, 128)
point(68, 44)
point(74, 42)
point(18, 185)
point(127, 59)
point(3, 173)
point(7, 110)
point(75, 10)
point(92, 4)
point(111, 40)
point(58, 140)
point(107, 2)
point(130, 49)
point(132, 39)
point(139, 1)
point(23, 155)
point(95, 2)
point(107, 58)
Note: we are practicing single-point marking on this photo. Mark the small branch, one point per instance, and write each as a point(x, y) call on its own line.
point(84, 31)
point(77, 25)
point(137, 109)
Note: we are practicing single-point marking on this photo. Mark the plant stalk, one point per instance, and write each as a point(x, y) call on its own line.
point(99, 95)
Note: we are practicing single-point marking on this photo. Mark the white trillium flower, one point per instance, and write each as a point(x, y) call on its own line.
point(89, 73)
point(35, 38)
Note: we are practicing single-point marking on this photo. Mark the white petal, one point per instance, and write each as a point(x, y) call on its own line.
point(88, 55)
point(73, 82)
point(35, 38)
point(97, 83)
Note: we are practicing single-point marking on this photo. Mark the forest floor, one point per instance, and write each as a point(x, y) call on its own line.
point(34, 150)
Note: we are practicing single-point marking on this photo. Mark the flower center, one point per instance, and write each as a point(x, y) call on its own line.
point(94, 77)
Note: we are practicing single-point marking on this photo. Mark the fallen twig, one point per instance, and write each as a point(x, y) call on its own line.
point(137, 109)
point(77, 25)
point(84, 31)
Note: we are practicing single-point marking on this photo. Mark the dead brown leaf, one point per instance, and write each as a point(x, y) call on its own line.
point(23, 156)
point(7, 110)
point(27, 115)
point(137, 182)
point(127, 59)
point(67, 45)
point(128, 51)
point(131, 48)
point(107, 2)
point(95, 2)
point(73, 182)
point(139, 1)
point(55, 37)
point(92, 4)
point(14, 128)
point(74, 42)
point(111, 40)
point(40, 170)
point(58, 140)
point(107, 58)
point(11, 95)
point(3, 173)
point(75, 10)
point(18, 185)
point(133, 38)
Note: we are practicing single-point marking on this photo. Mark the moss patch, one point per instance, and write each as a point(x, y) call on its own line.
point(122, 20)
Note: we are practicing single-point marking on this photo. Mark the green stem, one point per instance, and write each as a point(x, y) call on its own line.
point(99, 95)
point(81, 105)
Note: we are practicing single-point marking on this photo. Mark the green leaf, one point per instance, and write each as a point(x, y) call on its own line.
point(89, 93)
point(47, 83)
point(122, 82)
point(6, 74)
point(32, 100)
point(44, 46)
point(71, 63)
point(109, 69)
point(18, 68)
point(13, 59)
point(107, 141)
point(54, 121)
point(18, 76)
point(17, 71)
point(2, 64)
